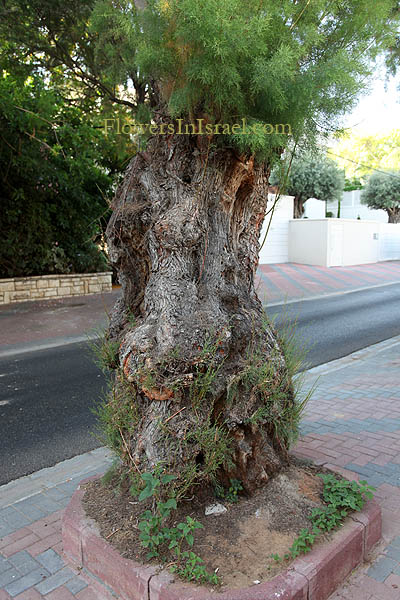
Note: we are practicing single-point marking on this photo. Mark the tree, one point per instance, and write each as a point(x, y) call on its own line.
point(52, 37)
point(56, 170)
point(383, 192)
point(212, 393)
point(202, 387)
point(360, 155)
point(313, 176)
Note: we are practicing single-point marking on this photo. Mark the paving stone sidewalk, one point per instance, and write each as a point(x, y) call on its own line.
point(352, 421)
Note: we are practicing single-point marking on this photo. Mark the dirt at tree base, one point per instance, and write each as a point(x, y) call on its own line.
point(239, 543)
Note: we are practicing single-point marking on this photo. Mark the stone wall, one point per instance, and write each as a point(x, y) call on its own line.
point(21, 289)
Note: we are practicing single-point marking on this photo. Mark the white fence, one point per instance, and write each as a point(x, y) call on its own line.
point(351, 208)
point(389, 241)
point(341, 242)
point(276, 247)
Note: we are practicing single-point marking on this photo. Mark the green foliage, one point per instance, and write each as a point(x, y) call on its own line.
point(393, 52)
point(56, 174)
point(345, 495)
point(104, 350)
point(353, 183)
point(229, 494)
point(312, 176)
point(383, 191)
point(268, 62)
point(341, 497)
point(117, 414)
point(281, 400)
point(359, 155)
point(161, 540)
point(302, 544)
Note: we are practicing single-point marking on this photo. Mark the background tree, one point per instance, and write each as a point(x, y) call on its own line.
point(58, 170)
point(382, 191)
point(359, 155)
point(56, 178)
point(313, 176)
point(53, 37)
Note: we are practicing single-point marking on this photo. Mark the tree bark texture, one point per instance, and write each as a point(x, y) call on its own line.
point(184, 236)
point(394, 215)
point(298, 207)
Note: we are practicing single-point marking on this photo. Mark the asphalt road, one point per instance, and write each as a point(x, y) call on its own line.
point(46, 396)
point(336, 326)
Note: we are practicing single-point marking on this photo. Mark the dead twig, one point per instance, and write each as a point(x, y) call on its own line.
point(174, 415)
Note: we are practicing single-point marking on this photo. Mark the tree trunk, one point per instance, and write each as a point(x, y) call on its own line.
point(394, 215)
point(298, 207)
point(203, 373)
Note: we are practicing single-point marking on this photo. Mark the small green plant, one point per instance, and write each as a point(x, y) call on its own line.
point(344, 495)
point(341, 497)
point(117, 414)
point(230, 494)
point(160, 539)
point(105, 351)
point(132, 321)
point(302, 544)
point(277, 558)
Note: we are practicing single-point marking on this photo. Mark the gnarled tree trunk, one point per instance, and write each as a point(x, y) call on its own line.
point(184, 235)
point(298, 207)
point(394, 215)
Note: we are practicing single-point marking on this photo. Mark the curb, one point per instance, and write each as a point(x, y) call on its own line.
point(350, 359)
point(312, 577)
point(285, 301)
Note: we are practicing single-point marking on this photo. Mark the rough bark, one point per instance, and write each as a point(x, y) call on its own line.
point(184, 236)
point(298, 207)
point(394, 215)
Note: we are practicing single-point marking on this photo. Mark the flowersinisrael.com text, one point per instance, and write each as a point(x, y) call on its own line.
point(200, 127)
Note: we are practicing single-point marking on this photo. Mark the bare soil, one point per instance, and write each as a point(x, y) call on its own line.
point(239, 543)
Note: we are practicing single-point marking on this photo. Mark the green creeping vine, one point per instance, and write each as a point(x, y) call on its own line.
point(157, 537)
point(341, 496)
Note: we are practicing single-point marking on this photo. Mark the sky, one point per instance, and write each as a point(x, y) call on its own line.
point(379, 111)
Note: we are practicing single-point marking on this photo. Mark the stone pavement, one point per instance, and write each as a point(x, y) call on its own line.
point(28, 326)
point(352, 420)
point(31, 508)
point(289, 282)
point(41, 324)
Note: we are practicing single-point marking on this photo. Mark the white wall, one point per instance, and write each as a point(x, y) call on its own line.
point(342, 242)
point(351, 208)
point(314, 209)
point(360, 242)
point(389, 241)
point(308, 241)
point(275, 248)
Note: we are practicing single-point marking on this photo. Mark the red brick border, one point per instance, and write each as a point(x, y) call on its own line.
point(311, 577)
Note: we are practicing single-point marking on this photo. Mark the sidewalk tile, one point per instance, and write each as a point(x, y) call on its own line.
point(24, 562)
point(55, 581)
point(8, 576)
point(42, 545)
point(51, 560)
point(76, 584)
point(61, 593)
point(20, 544)
point(22, 584)
point(29, 594)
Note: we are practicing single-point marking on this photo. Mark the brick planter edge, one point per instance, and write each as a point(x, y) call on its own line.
point(314, 576)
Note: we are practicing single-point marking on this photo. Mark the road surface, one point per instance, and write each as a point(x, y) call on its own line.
point(47, 396)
